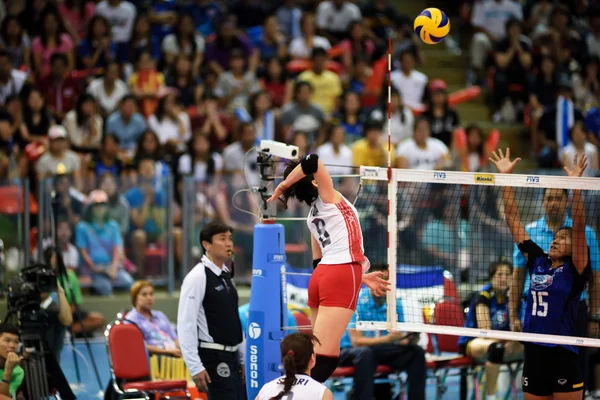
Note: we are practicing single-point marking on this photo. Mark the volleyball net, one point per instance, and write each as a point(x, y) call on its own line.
point(440, 231)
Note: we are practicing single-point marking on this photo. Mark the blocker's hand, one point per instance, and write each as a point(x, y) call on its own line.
point(279, 190)
point(579, 165)
point(375, 282)
point(201, 381)
point(502, 162)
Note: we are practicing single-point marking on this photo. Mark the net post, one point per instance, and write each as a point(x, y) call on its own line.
point(392, 224)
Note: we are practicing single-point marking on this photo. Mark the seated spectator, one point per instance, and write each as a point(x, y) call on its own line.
point(227, 39)
point(53, 39)
point(350, 116)
point(108, 90)
point(101, 246)
point(84, 125)
point(334, 18)
point(263, 116)
point(586, 84)
point(145, 83)
point(12, 373)
point(12, 81)
point(199, 161)
point(300, 140)
point(539, 16)
point(240, 159)
point(59, 159)
point(14, 107)
point(148, 146)
point(248, 13)
point(365, 350)
point(276, 82)
point(544, 85)
point(68, 201)
point(159, 334)
point(326, 84)
point(489, 310)
point(422, 151)
point(335, 153)
point(205, 14)
point(15, 41)
point(186, 42)
point(171, 122)
point(357, 46)
point(560, 39)
point(474, 157)
point(183, 79)
point(442, 118)
point(271, 44)
point(37, 117)
point(126, 124)
point(592, 39)
point(406, 40)
point(289, 16)
point(301, 46)
point(579, 145)
point(489, 21)
point(118, 207)
point(401, 121)
point(371, 151)
point(141, 41)
point(379, 16)
point(121, 15)
point(409, 82)
point(97, 49)
point(105, 161)
point(162, 15)
point(77, 14)
point(207, 119)
point(302, 114)
point(235, 86)
point(9, 148)
point(59, 89)
point(83, 321)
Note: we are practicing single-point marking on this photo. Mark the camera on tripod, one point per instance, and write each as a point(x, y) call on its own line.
point(24, 292)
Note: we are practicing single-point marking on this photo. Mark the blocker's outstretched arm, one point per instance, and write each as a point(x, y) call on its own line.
point(579, 243)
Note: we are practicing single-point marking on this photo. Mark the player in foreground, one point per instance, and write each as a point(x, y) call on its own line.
point(557, 280)
point(298, 356)
point(338, 257)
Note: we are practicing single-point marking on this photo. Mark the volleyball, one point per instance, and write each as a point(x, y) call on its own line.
point(432, 25)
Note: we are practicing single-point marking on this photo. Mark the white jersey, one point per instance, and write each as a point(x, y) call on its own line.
point(304, 388)
point(337, 230)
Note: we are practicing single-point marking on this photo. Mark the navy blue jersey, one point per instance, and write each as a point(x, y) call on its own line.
point(554, 294)
point(498, 312)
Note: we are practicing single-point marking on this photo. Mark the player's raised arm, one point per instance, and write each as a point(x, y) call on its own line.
point(579, 245)
point(511, 210)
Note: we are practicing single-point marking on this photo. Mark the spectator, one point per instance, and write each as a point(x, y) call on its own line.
point(183, 79)
point(207, 119)
point(578, 144)
point(204, 13)
point(406, 40)
point(52, 40)
point(302, 114)
point(84, 125)
point(97, 49)
point(248, 13)
point(83, 321)
point(199, 161)
point(302, 46)
point(148, 146)
point(513, 60)
point(474, 156)
point(126, 124)
point(276, 82)
point(163, 16)
point(379, 16)
point(586, 84)
point(401, 121)
point(264, 117)
point(12, 373)
point(68, 201)
point(545, 85)
point(59, 159)
point(9, 150)
point(422, 151)
point(14, 106)
point(219, 51)
point(357, 46)
point(37, 117)
point(146, 83)
point(141, 41)
point(593, 37)
point(239, 157)
point(170, 122)
point(288, 16)
point(15, 42)
point(186, 42)
point(60, 89)
point(271, 43)
point(108, 90)
point(350, 116)
point(539, 18)
point(300, 140)
point(120, 15)
point(365, 350)
point(235, 86)
point(560, 40)
point(106, 160)
point(159, 334)
point(335, 16)
point(334, 153)
point(370, 151)
point(101, 246)
point(489, 20)
point(326, 84)
point(77, 14)
point(409, 82)
point(442, 118)
point(118, 207)
point(12, 81)
point(31, 16)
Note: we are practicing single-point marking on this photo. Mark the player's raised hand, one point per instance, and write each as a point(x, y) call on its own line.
point(279, 190)
point(502, 161)
point(579, 165)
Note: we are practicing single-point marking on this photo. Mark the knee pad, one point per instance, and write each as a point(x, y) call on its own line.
point(324, 367)
point(496, 353)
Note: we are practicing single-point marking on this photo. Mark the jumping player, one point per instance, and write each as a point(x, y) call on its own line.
point(298, 357)
point(557, 280)
point(338, 257)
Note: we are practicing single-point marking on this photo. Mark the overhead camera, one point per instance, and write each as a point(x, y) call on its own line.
point(278, 149)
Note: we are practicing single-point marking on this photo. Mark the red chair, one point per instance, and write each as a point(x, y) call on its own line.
point(303, 322)
point(129, 364)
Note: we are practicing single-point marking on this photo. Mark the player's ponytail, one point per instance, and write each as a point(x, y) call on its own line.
point(303, 190)
point(297, 350)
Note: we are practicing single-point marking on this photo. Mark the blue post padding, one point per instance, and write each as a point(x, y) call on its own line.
point(267, 299)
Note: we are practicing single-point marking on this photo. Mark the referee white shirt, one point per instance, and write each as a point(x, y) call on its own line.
point(191, 331)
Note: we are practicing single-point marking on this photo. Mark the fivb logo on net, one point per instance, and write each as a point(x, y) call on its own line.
point(437, 175)
point(532, 179)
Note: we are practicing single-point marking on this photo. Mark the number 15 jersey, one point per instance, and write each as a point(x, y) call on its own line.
point(337, 230)
point(554, 294)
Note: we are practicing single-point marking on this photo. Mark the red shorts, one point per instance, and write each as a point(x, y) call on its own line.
point(335, 285)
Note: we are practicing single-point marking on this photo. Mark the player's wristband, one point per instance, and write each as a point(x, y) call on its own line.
point(316, 262)
point(310, 164)
point(6, 381)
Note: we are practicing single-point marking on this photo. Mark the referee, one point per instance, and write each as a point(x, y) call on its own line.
point(208, 323)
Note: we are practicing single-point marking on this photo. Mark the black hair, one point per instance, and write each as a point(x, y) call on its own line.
point(10, 329)
point(84, 98)
point(318, 52)
point(304, 191)
point(565, 192)
point(211, 229)
point(299, 85)
point(210, 160)
point(191, 37)
point(512, 21)
point(90, 29)
point(51, 11)
point(474, 127)
point(296, 351)
point(4, 53)
point(493, 267)
point(580, 125)
point(372, 125)
point(106, 137)
point(4, 29)
point(128, 97)
point(59, 57)
point(284, 74)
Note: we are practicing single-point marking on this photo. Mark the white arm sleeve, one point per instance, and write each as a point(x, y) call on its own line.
point(192, 294)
